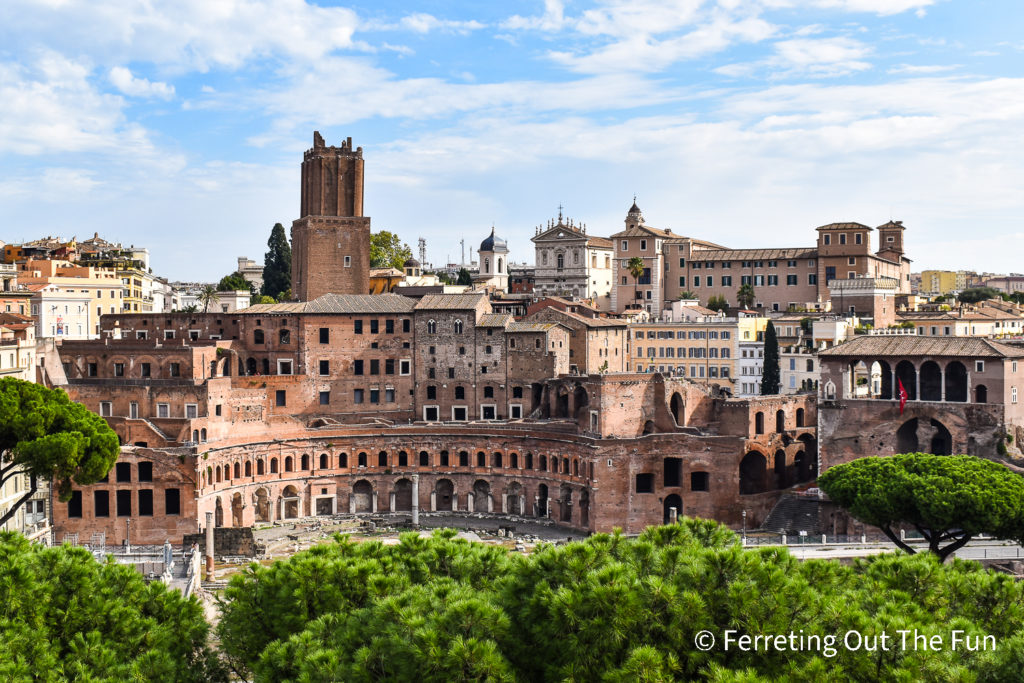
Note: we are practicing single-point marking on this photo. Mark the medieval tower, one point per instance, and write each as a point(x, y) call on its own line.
point(331, 240)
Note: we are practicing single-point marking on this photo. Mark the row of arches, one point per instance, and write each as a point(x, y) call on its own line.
point(275, 465)
point(566, 504)
point(760, 472)
point(780, 421)
point(928, 381)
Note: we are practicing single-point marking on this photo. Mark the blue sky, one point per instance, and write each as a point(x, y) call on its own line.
point(180, 125)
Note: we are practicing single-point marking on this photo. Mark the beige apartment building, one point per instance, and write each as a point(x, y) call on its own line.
point(791, 278)
point(705, 350)
point(102, 290)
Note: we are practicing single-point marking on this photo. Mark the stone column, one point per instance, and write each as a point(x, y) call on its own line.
point(673, 515)
point(504, 503)
point(433, 501)
point(415, 500)
point(942, 379)
point(391, 501)
point(374, 506)
point(522, 505)
point(469, 502)
point(351, 503)
point(490, 502)
point(209, 546)
point(917, 383)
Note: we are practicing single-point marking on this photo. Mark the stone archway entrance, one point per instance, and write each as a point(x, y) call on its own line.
point(403, 496)
point(444, 495)
point(673, 502)
point(924, 435)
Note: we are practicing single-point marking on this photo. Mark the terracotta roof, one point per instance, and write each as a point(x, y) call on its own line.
point(646, 231)
point(450, 301)
point(589, 322)
point(753, 254)
point(494, 320)
point(844, 226)
point(600, 242)
point(908, 345)
point(340, 303)
point(386, 272)
point(530, 327)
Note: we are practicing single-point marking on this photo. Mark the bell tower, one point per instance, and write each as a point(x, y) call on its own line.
point(331, 239)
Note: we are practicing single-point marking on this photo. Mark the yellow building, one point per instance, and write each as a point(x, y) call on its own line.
point(104, 287)
point(704, 350)
point(935, 282)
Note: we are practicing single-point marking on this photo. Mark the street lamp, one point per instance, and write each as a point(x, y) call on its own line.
point(744, 527)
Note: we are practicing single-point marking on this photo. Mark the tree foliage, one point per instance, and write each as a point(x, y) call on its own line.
point(388, 251)
point(947, 498)
point(464, 278)
point(745, 296)
point(207, 296)
point(635, 266)
point(771, 378)
point(718, 302)
point(976, 294)
point(66, 617)
point(235, 282)
point(277, 264)
point(605, 609)
point(46, 435)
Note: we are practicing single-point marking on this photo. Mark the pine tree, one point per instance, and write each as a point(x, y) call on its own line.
point(277, 264)
point(770, 381)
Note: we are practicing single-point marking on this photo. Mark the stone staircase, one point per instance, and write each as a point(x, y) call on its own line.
point(793, 514)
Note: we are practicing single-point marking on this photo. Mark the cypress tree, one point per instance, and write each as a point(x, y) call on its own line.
point(770, 380)
point(277, 263)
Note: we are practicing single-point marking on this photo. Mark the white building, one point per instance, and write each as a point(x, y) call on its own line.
point(62, 313)
point(572, 264)
point(493, 263)
point(749, 368)
point(798, 370)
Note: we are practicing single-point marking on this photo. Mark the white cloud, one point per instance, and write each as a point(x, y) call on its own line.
point(132, 86)
point(553, 19)
point(922, 68)
point(425, 23)
point(814, 57)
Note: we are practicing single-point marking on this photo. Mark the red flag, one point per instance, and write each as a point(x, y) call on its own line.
point(902, 394)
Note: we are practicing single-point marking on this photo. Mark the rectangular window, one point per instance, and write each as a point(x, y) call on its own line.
point(745, 279)
point(325, 367)
point(101, 503)
point(191, 411)
point(645, 483)
point(374, 366)
point(357, 395)
point(374, 326)
point(163, 409)
point(146, 502)
point(325, 398)
point(430, 414)
point(133, 410)
point(852, 261)
point(357, 326)
point(459, 413)
point(75, 504)
point(106, 408)
point(773, 280)
point(828, 238)
point(348, 261)
point(168, 334)
point(172, 501)
point(325, 335)
point(979, 366)
point(145, 471)
point(404, 367)
point(673, 471)
point(727, 280)
point(842, 238)
point(389, 326)
point(857, 238)
point(389, 366)
point(405, 325)
point(281, 397)
point(91, 370)
point(791, 280)
point(698, 481)
point(118, 369)
point(124, 503)
point(174, 369)
point(682, 281)
point(389, 395)
point(812, 279)
point(759, 280)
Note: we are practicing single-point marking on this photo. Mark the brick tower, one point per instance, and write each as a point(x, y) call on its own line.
point(331, 240)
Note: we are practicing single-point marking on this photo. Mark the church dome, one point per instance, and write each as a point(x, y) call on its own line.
point(411, 263)
point(493, 243)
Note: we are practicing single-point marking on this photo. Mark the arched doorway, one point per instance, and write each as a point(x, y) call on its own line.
point(906, 373)
point(672, 501)
point(562, 406)
point(290, 498)
point(931, 381)
point(677, 407)
point(236, 509)
point(250, 366)
point(403, 496)
point(585, 508)
point(580, 398)
point(444, 495)
point(362, 496)
point(542, 500)
point(753, 473)
point(924, 435)
point(649, 427)
point(956, 382)
point(565, 504)
point(262, 505)
point(218, 514)
point(885, 379)
point(481, 496)
point(981, 394)
point(781, 476)
point(801, 467)
point(513, 498)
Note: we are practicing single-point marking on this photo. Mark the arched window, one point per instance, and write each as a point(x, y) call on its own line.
point(288, 464)
point(361, 461)
point(403, 459)
point(323, 461)
point(780, 420)
point(499, 266)
point(481, 459)
point(260, 467)
point(759, 423)
point(305, 461)
point(257, 337)
point(431, 327)
point(238, 470)
point(343, 460)
point(799, 417)
point(202, 434)
point(273, 465)
point(561, 261)
point(382, 459)
point(424, 459)
point(218, 473)
point(513, 461)
point(284, 336)
point(458, 327)
point(487, 265)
